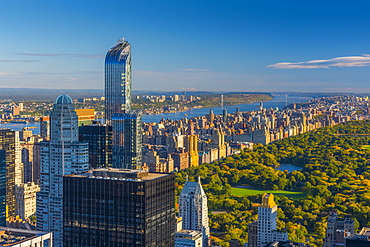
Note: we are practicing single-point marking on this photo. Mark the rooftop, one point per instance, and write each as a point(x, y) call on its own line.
point(120, 174)
point(12, 236)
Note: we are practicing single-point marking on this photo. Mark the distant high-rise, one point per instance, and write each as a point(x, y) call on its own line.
point(99, 137)
point(119, 207)
point(264, 230)
point(2, 188)
point(118, 80)
point(8, 144)
point(334, 224)
point(193, 209)
point(127, 140)
point(63, 155)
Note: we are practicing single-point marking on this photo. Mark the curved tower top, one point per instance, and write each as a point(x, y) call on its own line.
point(63, 121)
point(64, 99)
point(118, 79)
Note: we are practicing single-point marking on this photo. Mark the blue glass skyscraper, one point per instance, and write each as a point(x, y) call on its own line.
point(118, 80)
point(127, 140)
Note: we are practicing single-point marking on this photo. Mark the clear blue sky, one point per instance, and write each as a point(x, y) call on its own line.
point(233, 45)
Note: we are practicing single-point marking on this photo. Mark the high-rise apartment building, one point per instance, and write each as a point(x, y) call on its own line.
point(26, 199)
point(119, 207)
point(264, 231)
point(62, 155)
point(336, 224)
point(193, 209)
point(127, 140)
point(99, 137)
point(8, 144)
point(118, 80)
point(2, 188)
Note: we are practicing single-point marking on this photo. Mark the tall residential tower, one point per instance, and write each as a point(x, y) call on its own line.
point(62, 155)
point(193, 209)
point(118, 79)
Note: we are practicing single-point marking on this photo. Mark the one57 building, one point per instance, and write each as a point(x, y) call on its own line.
point(118, 79)
point(127, 127)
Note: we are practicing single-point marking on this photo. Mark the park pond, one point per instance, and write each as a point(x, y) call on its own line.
point(288, 167)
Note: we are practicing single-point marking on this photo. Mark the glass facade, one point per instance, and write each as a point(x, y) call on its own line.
point(127, 140)
point(117, 80)
point(7, 143)
point(2, 188)
point(109, 210)
point(99, 138)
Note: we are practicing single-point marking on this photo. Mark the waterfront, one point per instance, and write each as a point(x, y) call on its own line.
point(277, 102)
point(34, 126)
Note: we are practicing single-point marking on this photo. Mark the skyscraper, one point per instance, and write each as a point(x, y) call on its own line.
point(127, 140)
point(119, 207)
point(264, 231)
point(99, 137)
point(8, 144)
point(118, 79)
point(63, 155)
point(2, 188)
point(193, 209)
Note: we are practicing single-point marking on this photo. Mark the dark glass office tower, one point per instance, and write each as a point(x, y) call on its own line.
point(99, 137)
point(2, 188)
point(127, 140)
point(117, 79)
point(119, 207)
point(7, 143)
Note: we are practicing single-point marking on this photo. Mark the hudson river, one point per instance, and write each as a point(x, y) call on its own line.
point(277, 102)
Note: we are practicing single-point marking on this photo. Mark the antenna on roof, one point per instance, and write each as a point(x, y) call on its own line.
point(121, 40)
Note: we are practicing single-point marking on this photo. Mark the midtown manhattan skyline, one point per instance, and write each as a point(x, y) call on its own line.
point(193, 45)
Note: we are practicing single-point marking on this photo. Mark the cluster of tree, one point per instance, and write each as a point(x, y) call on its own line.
point(335, 175)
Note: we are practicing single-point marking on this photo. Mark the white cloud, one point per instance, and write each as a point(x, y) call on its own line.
point(350, 61)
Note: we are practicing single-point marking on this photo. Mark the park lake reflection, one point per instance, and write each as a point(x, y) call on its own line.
point(288, 167)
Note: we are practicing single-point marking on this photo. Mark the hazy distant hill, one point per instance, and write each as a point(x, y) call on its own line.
point(23, 94)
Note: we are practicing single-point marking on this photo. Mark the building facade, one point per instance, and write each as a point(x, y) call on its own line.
point(334, 224)
point(127, 140)
point(99, 138)
point(63, 155)
point(119, 207)
point(2, 188)
point(193, 208)
point(8, 144)
point(26, 199)
point(118, 79)
point(264, 231)
point(14, 237)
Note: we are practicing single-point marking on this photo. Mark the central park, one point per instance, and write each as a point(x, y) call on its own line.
point(334, 175)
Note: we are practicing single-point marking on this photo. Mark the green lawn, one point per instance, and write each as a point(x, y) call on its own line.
point(252, 192)
point(366, 147)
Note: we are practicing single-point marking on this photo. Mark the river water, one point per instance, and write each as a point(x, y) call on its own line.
point(277, 102)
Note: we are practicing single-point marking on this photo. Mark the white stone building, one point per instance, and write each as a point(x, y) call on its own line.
point(25, 196)
point(193, 209)
point(62, 155)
